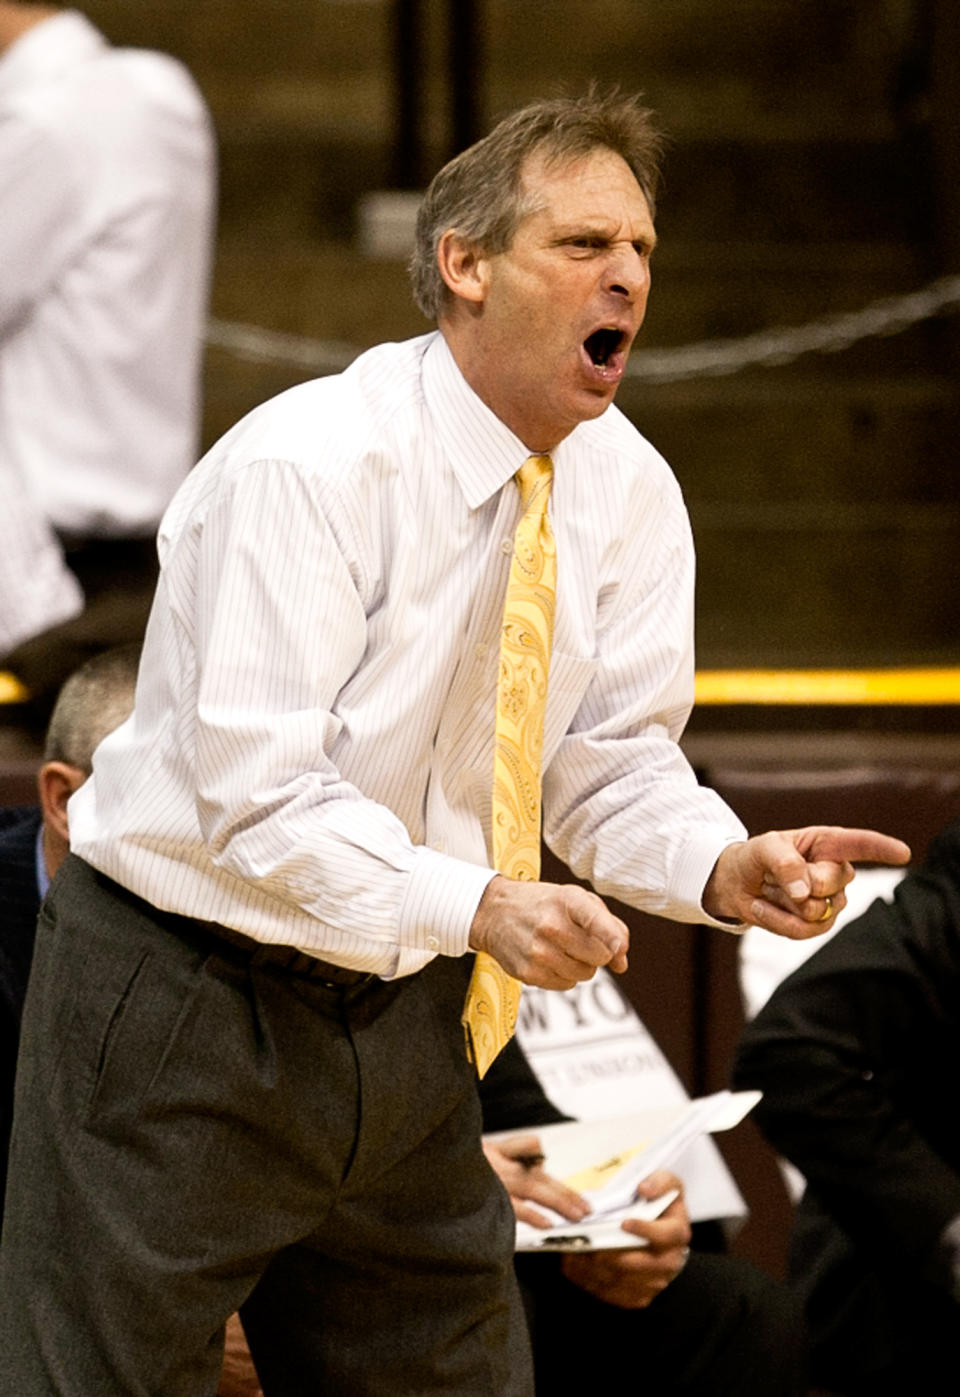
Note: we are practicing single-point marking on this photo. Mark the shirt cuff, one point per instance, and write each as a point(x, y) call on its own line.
point(694, 866)
point(440, 903)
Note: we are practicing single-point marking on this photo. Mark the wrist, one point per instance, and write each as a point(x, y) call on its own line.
point(485, 918)
point(719, 899)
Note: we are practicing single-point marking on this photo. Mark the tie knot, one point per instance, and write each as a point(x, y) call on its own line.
point(534, 478)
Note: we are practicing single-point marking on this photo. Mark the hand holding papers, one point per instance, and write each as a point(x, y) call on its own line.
point(538, 1199)
point(595, 1059)
point(595, 1168)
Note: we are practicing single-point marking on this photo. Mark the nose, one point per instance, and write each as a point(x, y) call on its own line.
point(628, 272)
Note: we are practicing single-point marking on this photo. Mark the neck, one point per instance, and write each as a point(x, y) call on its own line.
point(55, 849)
point(539, 438)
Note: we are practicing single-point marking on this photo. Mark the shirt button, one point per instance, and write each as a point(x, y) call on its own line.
point(480, 651)
point(432, 943)
point(506, 545)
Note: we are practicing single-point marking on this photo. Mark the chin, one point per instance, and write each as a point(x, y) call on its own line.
point(595, 402)
point(584, 406)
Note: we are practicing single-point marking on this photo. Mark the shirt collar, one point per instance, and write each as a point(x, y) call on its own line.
point(49, 48)
point(43, 877)
point(484, 454)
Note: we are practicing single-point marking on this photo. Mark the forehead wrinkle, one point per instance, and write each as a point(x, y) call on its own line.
point(634, 216)
point(543, 162)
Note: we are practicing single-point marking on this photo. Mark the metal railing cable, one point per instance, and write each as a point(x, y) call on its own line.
point(829, 334)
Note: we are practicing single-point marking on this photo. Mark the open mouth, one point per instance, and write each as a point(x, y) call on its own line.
point(603, 346)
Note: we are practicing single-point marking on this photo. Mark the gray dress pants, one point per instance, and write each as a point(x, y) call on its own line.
point(200, 1123)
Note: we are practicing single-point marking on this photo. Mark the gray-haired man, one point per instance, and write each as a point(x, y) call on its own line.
point(249, 1031)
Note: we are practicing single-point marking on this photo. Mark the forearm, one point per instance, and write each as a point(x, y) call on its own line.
point(38, 222)
point(649, 836)
point(301, 788)
point(622, 807)
point(37, 589)
point(349, 864)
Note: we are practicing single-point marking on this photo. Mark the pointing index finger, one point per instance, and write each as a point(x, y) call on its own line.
point(856, 846)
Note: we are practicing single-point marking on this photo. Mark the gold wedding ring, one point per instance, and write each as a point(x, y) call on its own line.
point(827, 911)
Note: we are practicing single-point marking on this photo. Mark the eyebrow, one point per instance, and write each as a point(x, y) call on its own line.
point(566, 232)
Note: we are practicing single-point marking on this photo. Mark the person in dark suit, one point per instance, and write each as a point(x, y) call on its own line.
point(689, 1323)
point(34, 839)
point(19, 832)
point(856, 1053)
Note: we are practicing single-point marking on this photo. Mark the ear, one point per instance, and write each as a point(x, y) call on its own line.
point(56, 783)
point(464, 268)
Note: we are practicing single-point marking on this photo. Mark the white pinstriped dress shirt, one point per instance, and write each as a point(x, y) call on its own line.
point(107, 181)
point(107, 185)
point(311, 752)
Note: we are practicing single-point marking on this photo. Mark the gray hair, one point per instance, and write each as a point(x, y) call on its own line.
point(480, 192)
point(93, 701)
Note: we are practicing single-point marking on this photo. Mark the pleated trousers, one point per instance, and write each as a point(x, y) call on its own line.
point(202, 1125)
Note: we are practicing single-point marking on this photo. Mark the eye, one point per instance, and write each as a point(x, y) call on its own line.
point(586, 242)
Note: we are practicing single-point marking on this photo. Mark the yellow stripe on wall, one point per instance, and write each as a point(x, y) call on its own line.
point(769, 686)
point(828, 686)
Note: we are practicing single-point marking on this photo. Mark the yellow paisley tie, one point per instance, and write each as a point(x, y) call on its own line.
point(493, 997)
